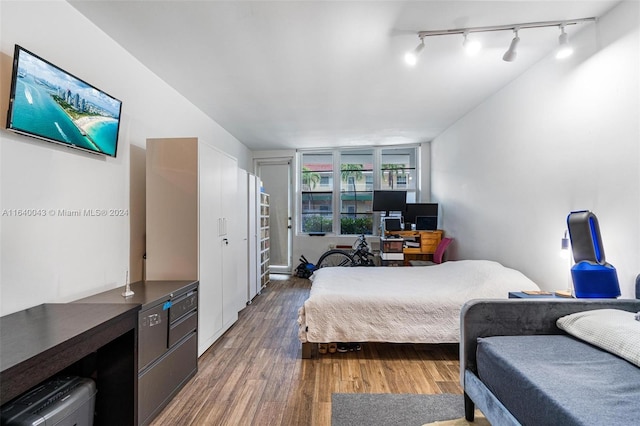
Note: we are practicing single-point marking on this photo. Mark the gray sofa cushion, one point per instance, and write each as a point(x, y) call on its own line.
point(559, 380)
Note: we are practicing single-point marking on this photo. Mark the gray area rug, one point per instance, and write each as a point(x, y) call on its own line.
point(384, 409)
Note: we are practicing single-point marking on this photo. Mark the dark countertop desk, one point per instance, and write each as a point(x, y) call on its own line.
point(39, 342)
point(145, 292)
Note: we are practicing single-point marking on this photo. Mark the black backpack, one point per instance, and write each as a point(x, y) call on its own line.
point(305, 269)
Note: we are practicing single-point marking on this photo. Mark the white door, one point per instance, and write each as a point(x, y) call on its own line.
point(276, 180)
point(210, 250)
point(229, 239)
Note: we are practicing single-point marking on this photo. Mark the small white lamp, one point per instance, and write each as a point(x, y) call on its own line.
point(565, 253)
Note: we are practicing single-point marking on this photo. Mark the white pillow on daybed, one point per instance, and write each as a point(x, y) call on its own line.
point(613, 330)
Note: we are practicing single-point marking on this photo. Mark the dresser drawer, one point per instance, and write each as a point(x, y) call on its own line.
point(182, 327)
point(183, 305)
point(429, 241)
point(157, 385)
point(153, 326)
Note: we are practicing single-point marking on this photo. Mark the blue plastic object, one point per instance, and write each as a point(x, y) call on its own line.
point(595, 280)
point(592, 276)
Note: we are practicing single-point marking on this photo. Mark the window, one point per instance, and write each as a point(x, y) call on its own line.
point(356, 167)
point(398, 170)
point(337, 186)
point(317, 193)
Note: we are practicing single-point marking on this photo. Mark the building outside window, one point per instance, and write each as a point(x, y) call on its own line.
point(356, 167)
point(341, 203)
point(316, 177)
point(398, 170)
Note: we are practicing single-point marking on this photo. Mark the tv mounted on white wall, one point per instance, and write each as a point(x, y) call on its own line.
point(53, 105)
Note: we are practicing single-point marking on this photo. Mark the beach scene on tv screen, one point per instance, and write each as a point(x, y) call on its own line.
point(55, 105)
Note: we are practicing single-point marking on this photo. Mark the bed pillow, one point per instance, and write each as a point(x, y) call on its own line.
point(613, 330)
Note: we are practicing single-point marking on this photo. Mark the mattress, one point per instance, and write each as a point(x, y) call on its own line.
point(559, 380)
point(418, 304)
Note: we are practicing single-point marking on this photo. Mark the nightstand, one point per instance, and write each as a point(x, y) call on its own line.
point(522, 295)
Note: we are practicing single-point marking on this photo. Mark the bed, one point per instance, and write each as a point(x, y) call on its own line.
point(418, 304)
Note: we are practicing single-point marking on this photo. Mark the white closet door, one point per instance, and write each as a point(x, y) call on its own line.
point(210, 321)
point(230, 240)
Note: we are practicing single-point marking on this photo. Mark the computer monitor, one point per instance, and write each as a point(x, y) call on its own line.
point(414, 210)
point(426, 223)
point(389, 201)
point(392, 224)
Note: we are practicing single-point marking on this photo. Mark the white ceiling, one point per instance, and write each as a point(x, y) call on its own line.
point(303, 74)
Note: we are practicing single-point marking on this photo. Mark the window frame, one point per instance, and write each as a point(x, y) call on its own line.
point(336, 154)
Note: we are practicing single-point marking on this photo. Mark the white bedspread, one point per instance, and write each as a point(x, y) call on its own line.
point(418, 304)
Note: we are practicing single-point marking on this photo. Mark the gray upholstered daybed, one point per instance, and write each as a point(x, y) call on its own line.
point(518, 367)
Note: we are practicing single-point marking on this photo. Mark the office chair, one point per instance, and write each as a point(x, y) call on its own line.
point(438, 255)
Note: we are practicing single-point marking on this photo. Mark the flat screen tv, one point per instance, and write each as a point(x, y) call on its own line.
point(388, 201)
point(49, 103)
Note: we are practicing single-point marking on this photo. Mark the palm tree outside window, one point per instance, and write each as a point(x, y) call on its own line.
point(346, 200)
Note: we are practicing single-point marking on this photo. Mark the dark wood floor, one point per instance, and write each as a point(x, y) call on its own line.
point(253, 375)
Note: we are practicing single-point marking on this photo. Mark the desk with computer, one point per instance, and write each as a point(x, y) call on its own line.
point(407, 230)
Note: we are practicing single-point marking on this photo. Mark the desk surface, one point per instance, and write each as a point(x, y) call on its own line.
point(38, 342)
point(146, 292)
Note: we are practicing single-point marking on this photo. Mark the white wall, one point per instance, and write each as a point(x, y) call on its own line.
point(564, 136)
point(56, 259)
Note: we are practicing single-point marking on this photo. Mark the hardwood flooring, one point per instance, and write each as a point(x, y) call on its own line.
point(254, 375)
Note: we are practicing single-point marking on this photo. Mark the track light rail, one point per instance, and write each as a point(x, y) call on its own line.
point(512, 27)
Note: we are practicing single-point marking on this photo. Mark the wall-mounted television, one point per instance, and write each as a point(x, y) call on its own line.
point(51, 104)
point(388, 201)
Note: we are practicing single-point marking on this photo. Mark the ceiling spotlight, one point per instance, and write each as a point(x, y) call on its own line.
point(472, 47)
point(511, 53)
point(564, 49)
point(411, 58)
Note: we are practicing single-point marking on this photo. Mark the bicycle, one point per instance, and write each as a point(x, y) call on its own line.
point(360, 256)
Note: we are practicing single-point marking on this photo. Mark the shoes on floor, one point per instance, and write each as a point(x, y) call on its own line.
point(322, 348)
point(333, 347)
point(349, 347)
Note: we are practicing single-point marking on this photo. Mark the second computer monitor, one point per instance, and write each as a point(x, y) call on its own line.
point(426, 223)
point(413, 210)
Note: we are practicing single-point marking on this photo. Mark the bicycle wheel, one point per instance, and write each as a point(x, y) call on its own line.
point(335, 257)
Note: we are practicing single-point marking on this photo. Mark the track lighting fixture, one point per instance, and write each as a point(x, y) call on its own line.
point(473, 46)
point(564, 48)
point(511, 53)
point(411, 58)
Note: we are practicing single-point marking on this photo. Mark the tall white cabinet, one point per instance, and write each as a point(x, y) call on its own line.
point(265, 235)
point(258, 230)
point(253, 189)
point(191, 229)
